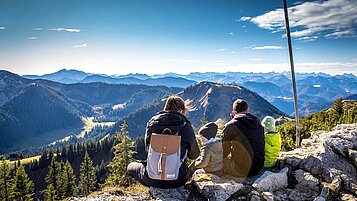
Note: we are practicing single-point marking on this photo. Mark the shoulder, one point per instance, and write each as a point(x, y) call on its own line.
point(229, 125)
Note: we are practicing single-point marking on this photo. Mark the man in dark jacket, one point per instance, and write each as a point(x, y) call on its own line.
point(171, 117)
point(243, 143)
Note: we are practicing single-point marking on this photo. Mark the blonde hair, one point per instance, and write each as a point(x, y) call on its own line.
point(175, 103)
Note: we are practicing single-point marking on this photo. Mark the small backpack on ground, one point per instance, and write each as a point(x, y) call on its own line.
point(164, 156)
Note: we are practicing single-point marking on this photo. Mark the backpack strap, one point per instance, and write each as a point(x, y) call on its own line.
point(184, 124)
point(186, 152)
point(185, 156)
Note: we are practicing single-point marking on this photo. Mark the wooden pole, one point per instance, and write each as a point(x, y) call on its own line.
point(292, 73)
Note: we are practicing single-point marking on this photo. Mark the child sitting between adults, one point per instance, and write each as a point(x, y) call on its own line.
point(211, 158)
point(272, 141)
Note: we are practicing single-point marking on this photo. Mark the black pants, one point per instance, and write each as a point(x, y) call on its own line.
point(139, 173)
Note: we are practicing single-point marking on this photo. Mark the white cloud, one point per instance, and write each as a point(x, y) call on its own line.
point(331, 18)
point(308, 38)
point(37, 29)
point(231, 33)
point(32, 38)
point(256, 59)
point(268, 47)
point(245, 18)
point(342, 34)
point(220, 50)
point(72, 30)
point(2, 28)
point(81, 45)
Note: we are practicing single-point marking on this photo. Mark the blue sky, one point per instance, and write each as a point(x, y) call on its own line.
point(181, 36)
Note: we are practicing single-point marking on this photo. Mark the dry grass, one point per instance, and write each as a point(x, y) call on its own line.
point(24, 161)
point(89, 124)
point(135, 190)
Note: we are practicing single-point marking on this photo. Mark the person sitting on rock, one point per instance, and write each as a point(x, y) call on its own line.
point(211, 158)
point(272, 141)
point(172, 118)
point(243, 142)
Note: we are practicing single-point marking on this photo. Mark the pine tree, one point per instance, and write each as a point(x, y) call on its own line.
point(52, 180)
point(4, 181)
point(22, 188)
point(68, 181)
point(123, 155)
point(338, 106)
point(50, 193)
point(70, 153)
point(204, 121)
point(87, 179)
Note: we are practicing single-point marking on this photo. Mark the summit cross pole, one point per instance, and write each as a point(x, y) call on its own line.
point(292, 73)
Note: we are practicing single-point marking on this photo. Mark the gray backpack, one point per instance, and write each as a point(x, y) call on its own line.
point(164, 156)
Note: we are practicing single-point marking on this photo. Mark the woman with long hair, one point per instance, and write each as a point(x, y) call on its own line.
point(172, 117)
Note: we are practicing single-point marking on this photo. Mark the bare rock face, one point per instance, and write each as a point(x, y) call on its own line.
point(348, 197)
point(293, 195)
point(109, 197)
point(306, 181)
point(175, 194)
point(327, 156)
point(270, 181)
point(215, 188)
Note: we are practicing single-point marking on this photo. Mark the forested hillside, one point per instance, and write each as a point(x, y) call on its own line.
point(342, 112)
point(35, 111)
point(204, 100)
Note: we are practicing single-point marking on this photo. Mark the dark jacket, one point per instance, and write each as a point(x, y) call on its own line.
point(175, 122)
point(243, 138)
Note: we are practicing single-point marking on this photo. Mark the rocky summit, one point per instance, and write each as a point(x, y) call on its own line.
point(323, 168)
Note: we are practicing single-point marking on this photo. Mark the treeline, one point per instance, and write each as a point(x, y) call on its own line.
point(340, 113)
point(35, 111)
point(15, 185)
point(61, 182)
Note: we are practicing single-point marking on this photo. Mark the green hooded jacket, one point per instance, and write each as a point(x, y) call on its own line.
point(272, 148)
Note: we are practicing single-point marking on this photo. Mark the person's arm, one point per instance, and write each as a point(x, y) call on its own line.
point(194, 150)
point(147, 138)
point(226, 140)
point(204, 158)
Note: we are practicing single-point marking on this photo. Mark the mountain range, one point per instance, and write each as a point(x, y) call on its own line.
point(74, 76)
point(33, 110)
point(315, 91)
point(208, 100)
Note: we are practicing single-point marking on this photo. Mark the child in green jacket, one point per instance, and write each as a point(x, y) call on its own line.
point(272, 141)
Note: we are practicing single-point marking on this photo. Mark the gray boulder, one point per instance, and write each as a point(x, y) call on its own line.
point(294, 195)
point(174, 194)
point(306, 181)
point(270, 181)
point(215, 188)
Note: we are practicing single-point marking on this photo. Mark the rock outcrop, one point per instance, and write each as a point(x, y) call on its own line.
point(323, 168)
point(327, 157)
point(216, 189)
